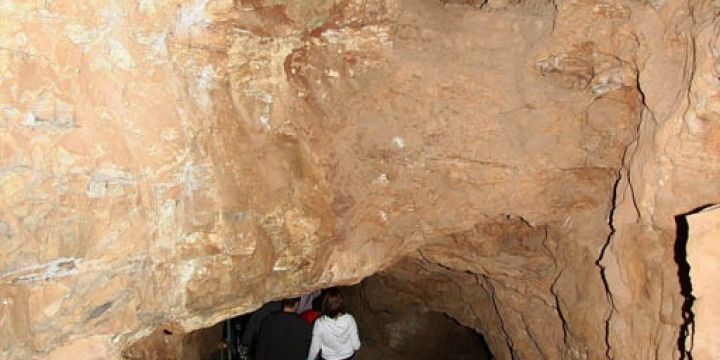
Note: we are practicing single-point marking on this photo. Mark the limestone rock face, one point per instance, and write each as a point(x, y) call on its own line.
point(183, 161)
point(704, 258)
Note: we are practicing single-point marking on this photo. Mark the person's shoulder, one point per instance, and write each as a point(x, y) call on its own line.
point(276, 314)
point(321, 321)
point(296, 320)
point(347, 317)
point(291, 317)
point(272, 318)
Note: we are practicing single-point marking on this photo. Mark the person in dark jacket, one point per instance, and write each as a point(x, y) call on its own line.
point(250, 336)
point(284, 335)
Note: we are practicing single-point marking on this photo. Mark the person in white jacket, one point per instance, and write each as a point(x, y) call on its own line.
point(335, 334)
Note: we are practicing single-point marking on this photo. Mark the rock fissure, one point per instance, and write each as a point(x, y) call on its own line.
point(487, 284)
point(643, 96)
point(691, 63)
point(603, 275)
point(623, 179)
point(558, 309)
point(530, 334)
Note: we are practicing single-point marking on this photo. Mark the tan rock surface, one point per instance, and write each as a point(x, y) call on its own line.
point(704, 258)
point(182, 161)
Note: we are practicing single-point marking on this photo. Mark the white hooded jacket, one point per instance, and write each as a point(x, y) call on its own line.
point(337, 338)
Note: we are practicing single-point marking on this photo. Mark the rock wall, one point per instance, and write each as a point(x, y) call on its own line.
point(183, 161)
point(169, 342)
point(703, 255)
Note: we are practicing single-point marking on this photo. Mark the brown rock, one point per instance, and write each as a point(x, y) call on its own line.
point(184, 161)
point(703, 254)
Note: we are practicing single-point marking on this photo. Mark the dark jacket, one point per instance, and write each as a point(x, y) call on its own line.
point(252, 329)
point(283, 336)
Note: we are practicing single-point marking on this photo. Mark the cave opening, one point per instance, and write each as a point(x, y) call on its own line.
point(397, 327)
point(390, 328)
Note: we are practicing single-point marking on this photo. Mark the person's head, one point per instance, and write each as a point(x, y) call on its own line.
point(317, 303)
point(333, 303)
point(290, 304)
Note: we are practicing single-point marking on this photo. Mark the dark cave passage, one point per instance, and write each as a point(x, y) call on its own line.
point(394, 329)
point(390, 328)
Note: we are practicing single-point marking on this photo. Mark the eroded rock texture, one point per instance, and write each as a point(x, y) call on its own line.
point(183, 161)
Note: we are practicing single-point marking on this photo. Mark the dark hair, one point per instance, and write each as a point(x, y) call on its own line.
point(289, 302)
point(317, 302)
point(333, 303)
